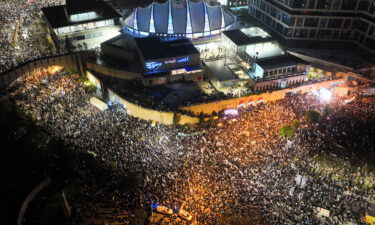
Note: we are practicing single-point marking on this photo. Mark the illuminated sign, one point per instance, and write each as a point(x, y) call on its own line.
point(179, 71)
point(185, 59)
point(171, 61)
point(153, 65)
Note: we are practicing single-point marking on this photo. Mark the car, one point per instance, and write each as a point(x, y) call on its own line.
point(184, 214)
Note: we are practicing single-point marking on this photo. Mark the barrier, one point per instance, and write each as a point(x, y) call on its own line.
point(74, 61)
point(30, 197)
point(167, 118)
point(218, 106)
point(121, 74)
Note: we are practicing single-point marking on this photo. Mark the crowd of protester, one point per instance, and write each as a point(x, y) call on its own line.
point(239, 167)
point(23, 35)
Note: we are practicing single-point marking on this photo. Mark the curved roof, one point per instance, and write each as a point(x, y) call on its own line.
point(179, 17)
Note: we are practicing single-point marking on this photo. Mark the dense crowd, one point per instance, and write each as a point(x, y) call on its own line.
point(242, 167)
point(23, 35)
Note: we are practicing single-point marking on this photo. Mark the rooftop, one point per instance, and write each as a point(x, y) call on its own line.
point(248, 36)
point(220, 70)
point(279, 61)
point(58, 16)
point(156, 48)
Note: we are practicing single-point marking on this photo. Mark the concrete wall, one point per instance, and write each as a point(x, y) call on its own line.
point(218, 106)
point(117, 52)
point(113, 72)
point(290, 81)
point(74, 61)
point(150, 114)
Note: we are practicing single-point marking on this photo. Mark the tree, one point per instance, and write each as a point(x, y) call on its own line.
point(287, 131)
point(312, 116)
point(295, 124)
point(327, 110)
point(68, 45)
point(176, 119)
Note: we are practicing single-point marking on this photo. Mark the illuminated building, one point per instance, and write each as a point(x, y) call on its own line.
point(259, 62)
point(323, 20)
point(278, 72)
point(82, 23)
point(166, 61)
point(179, 18)
point(233, 3)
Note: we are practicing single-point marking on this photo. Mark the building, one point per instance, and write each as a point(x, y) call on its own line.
point(323, 20)
point(251, 42)
point(278, 72)
point(168, 60)
point(179, 18)
point(84, 23)
point(233, 3)
point(255, 59)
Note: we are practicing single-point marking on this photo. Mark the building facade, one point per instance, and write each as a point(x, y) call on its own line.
point(179, 18)
point(168, 61)
point(84, 24)
point(233, 3)
point(325, 20)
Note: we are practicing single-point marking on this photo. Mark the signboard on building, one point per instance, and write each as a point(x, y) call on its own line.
point(156, 65)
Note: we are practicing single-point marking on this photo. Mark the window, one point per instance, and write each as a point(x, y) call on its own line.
point(371, 30)
point(83, 16)
point(109, 22)
point(363, 6)
point(286, 19)
point(360, 25)
point(324, 34)
point(75, 28)
point(323, 22)
point(302, 33)
point(79, 38)
point(100, 24)
point(312, 4)
point(279, 28)
point(348, 4)
point(334, 23)
point(299, 22)
point(64, 30)
point(347, 23)
point(312, 33)
point(335, 34)
point(267, 20)
point(324, 4)
point(311, 22)
point(288, 32)
point(372, 8)
point(361, 38)
point(335, 4)
point(299, 4)
point(347, 34)
point(370, 43)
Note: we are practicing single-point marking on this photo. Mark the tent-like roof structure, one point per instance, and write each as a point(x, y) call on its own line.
point(179, 17)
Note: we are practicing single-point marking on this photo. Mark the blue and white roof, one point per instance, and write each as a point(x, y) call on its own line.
point(179, 17)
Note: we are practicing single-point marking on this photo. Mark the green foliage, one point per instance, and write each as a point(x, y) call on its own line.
point(176, 119)
point(112, 166)
point(90, 89)
point(295, 124)
point(287, 131)
point(71, 70)
point(312, 116)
